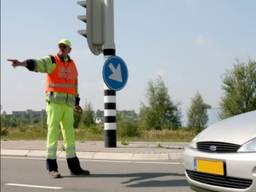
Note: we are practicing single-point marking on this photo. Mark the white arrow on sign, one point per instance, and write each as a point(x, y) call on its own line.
point(116, 73)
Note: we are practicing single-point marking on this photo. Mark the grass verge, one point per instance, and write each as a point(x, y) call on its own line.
point(97, 133)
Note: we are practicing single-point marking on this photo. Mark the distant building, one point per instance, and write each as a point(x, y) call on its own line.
point(30, 115)
point(99, 120)
point(130, 115)
point(29, 112)
point(99, 116)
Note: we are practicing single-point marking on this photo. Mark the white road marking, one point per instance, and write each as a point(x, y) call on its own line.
point(102, 161)
point(32, 186)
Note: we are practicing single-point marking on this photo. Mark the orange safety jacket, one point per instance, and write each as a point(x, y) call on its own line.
point(64, 77)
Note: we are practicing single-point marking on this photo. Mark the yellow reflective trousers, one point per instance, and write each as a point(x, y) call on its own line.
point(60, 115)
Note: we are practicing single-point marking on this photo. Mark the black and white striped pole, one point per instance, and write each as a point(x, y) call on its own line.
point(100, 37)
point(109, 94)
point(109, 117)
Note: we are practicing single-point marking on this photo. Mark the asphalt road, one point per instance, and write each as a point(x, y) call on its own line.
point(29, 174)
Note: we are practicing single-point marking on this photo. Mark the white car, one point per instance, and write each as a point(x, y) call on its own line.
point(223, 156)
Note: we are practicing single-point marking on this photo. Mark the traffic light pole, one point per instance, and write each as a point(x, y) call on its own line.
point(100, 37)
point(109, 95)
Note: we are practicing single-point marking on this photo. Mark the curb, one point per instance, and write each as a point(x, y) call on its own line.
point(178, 156)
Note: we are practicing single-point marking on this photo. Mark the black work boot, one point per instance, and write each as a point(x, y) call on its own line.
point(75, 168)
point(52, 167)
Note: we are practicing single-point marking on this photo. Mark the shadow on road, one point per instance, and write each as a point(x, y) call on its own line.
point(157, 183)
point(148, 179)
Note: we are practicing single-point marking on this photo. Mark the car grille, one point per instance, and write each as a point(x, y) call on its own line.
point(217, 147)
point(222, 181)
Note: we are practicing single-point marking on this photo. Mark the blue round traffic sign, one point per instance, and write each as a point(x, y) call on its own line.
point(115, 73)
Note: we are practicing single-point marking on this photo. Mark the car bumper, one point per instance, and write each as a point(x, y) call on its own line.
point(237, 166)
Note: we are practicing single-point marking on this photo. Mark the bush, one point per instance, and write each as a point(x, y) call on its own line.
point(178, 135)
point(94, 132)
point(128, 129)
point(96, 129)
point(4, 132)
point(22, 129)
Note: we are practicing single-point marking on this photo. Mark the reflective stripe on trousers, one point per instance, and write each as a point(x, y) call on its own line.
point(51, 152)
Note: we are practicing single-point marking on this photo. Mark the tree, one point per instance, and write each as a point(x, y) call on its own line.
point(4, 120)
point(88, 115)
point(127, 115)
point(161, 112)
point(239, 85)
point(197, 114)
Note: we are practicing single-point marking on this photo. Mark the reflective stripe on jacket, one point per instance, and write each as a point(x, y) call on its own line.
point(60, 98)
point(64, 77)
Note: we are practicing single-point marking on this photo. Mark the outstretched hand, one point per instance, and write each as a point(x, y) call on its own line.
point(16, 63)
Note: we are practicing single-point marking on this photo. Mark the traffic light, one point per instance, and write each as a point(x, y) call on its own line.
point(100, 37)
point(94, 21)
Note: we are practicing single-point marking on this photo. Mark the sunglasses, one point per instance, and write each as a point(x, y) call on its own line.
point(62, 46)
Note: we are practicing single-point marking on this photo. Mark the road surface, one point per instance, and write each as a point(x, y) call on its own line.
point(28, 174)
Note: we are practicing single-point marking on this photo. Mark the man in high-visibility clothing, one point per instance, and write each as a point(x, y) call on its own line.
point(62, 98)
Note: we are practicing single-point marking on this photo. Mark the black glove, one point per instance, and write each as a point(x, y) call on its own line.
point(77, 101)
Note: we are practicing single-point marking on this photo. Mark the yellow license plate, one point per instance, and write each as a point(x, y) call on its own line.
point(210, 166)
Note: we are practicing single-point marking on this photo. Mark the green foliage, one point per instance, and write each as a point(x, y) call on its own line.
point(4, 132)
point(77, 119)
point(8, 121)
point(37, 132)
point(33, 132)
point(96, 129)
point(99, 114)
point(169, 135)
point(28, 117)
point(128, 129)
point(88, 115)
point(127, 124)
point(197, 114)
point(123, 142)
point(239, 85)
point(161, 112)
point(93, 132)
point(159, 145)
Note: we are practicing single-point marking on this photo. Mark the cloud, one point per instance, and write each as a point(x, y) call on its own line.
point(201, 40)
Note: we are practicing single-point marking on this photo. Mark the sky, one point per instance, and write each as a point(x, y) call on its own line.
point(190, 44)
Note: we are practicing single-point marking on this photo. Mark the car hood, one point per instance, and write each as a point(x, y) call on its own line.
point(238, 130)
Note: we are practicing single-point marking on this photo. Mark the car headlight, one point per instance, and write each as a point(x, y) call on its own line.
point(193, 145)
point(250, 146)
